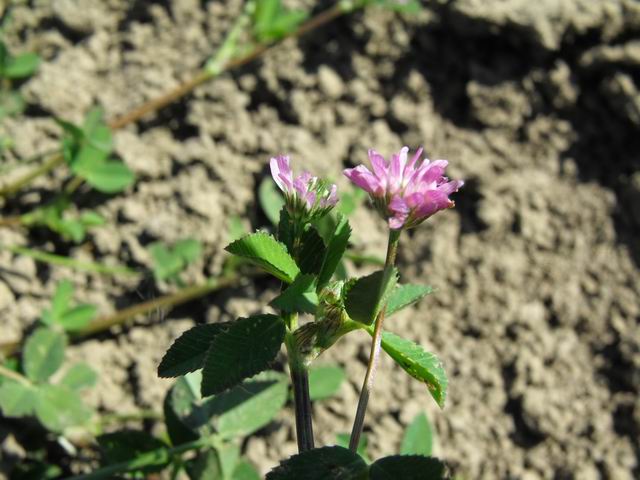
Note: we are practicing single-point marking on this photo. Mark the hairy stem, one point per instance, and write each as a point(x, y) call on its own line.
point(302, 399)
point(374, 355)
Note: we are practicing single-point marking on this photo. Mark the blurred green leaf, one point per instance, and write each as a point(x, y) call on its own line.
point(126, 445)
point(272, 22)
point(245, 471)
point(418, 438)
point(61, 300)
point(79, 376)
point(245, 348)
point(78, 317)
point(205, 466)
point(43, 354)
point(250, 406)
point(91, 219)
point(169, 261)
point(325, 381)
point(21, 66)
point(271, 200)
point(17, 399)
point(58, 408)
point(111, 176)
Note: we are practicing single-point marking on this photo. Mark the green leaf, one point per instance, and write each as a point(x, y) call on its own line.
point(59, 408)
point(421, 365)
point(96, 131)
point(188, 249)
point(325, 381)
point(334, 252)
point(77, 317)
point(22, 66)
point(404, 295)
point(312, 251)
point(335, 463)
point(285, 23)
point(247, 347)
point(250, 406)
point(342, 440)
point(245, 471)
point(79, 376)
point(366, 296)
point(92, 219)
point(236, 228)
point(265, 251)
point(127, 445)
point(166, 263)
point(61, 300)
point(186, 418)
point(229, 454)
point(43, 354)
point(350, 200)
point(17, 399)
point(270, 198)
point(265, 12)
point(407, 467)
point(206, 466)
point(300, 296)
point(109, 177)
point(188, 352)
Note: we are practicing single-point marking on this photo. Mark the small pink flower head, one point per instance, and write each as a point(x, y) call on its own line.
point(306, 196)
point(405, 193)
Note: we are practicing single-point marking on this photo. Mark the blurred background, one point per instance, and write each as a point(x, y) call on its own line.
point(535, 104)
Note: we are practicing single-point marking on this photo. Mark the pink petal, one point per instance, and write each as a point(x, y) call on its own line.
point(451, 187)
point(379, 166)
point(281, 172)
point(433, 201)
point(363, 178)
point(410, 168)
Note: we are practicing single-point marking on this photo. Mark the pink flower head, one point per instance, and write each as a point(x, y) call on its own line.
point(306, 196)
point(404, 192)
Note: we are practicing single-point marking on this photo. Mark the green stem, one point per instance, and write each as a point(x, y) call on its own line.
point(26, 179)
point(374, 355)
point(60, 260)
point(8, 373)
point(302, 398)
point(160, 456)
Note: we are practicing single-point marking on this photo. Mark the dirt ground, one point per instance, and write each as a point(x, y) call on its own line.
point(535, 104)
